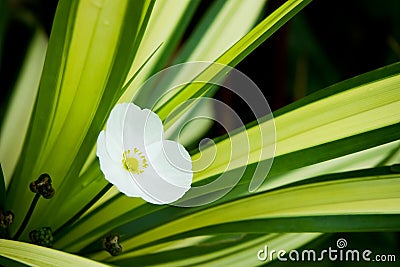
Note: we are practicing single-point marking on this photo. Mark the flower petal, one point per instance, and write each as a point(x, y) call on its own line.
point(172, 162)
point(156, 190)
point(168, 176)
point(114, 172)
point(114, 130)
point(141, 128)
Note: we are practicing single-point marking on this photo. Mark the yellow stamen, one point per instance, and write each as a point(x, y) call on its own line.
point(134, 161)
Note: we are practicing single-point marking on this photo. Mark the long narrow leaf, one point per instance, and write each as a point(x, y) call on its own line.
point(71, 104)
point(347, 113)
point(383, 81)
point(369, 195)
point(236, 53)
point(16, 121)
point(33, 255)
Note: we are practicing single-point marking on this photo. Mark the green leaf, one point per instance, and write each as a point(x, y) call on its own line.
point(135, 20)
point(33, 255)
point(74, 99)
point(16, 122)
point(220, 250)
point(353, 109)
point(233, 55)
point(378, 156)
point(365, 192)
point(380, 84)
point(92, 181)
point(274, 223)
point(325, 224)
point(161, 28)
point(206, 43)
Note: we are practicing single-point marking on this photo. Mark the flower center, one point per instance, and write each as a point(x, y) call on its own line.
point(134, 161)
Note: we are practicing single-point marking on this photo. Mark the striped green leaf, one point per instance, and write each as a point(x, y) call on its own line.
point(80, 82)
point(144, 219)
point(32, 255)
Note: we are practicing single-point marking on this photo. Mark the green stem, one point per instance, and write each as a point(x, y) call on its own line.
point(68, 225)
point(27, 216)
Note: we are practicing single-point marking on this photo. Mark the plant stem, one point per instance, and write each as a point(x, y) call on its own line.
point(68, 225)
point(27, 216)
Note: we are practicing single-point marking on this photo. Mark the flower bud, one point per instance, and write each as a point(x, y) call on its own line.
point(43, 186)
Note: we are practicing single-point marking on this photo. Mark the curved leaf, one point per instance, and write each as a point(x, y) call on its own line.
point(148, 218)
point(348, 111)
point(74, 98)
point(33, 255)
point(220, 250)
point(16, 121)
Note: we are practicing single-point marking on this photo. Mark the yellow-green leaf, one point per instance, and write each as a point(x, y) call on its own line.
point(33, 255)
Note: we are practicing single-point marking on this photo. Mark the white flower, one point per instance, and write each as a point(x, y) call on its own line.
point(135, 157)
